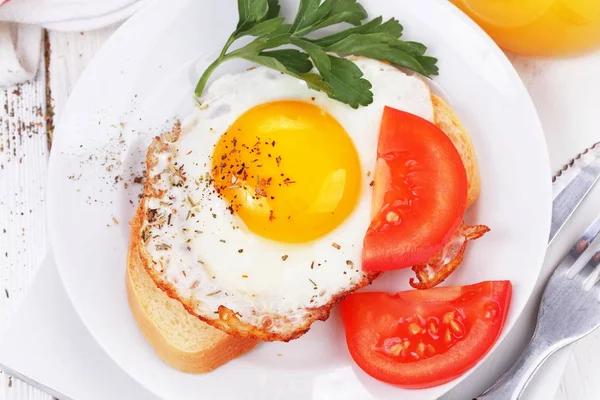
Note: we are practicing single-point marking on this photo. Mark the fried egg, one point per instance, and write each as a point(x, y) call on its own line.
point(257, 208)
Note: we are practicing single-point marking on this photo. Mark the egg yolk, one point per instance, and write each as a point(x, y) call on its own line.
point(289, 170)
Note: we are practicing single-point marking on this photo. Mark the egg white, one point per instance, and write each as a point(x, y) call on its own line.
point(212, 258)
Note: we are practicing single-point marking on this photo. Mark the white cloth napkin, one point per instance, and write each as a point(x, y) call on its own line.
point(21, 23)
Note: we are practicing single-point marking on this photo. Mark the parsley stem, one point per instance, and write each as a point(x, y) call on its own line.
point(222, 58)
point(228, 44)
point(204, 79)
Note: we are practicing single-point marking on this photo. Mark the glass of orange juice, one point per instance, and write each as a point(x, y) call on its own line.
point(538, 27)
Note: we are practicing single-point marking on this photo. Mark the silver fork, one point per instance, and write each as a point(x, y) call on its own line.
point(570, 310)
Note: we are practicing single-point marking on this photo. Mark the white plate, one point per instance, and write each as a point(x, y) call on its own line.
point(143, 79)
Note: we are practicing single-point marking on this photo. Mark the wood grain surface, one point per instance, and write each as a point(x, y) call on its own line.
point(24, 150)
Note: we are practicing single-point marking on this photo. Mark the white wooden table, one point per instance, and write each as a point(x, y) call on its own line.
point(27, 116)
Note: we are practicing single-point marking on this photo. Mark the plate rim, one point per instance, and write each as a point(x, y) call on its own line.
point(120, 33)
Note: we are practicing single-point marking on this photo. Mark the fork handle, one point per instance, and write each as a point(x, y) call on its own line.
point(510, 386)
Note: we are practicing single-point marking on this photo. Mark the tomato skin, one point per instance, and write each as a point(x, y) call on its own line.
point(419, 195)
point(371, 317)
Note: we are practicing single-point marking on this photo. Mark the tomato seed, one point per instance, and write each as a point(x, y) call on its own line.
point(456, 327)
point(414, 329)
point(448, 336)
point(421, 349)
point(433, 328)
point(396, 349)
point(430, 350)
point(449, 316)
point(392, 217)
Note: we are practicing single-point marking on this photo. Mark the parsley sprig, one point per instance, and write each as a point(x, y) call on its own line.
point(340, 78)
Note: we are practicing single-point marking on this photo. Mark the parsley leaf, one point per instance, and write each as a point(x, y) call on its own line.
point(312, 15)
point(382, 46)
point(312, 60)
point(293, 60)
point(252, 12)
point(274, 9)
point(391, 27)
point(264, 27)
point(342, 75)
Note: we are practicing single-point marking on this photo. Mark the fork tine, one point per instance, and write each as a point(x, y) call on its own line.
point(588, 237)
point(594, 263)
point(590, 234)
point(588, 270)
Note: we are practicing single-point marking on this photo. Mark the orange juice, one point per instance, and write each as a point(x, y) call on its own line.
point(538, 27)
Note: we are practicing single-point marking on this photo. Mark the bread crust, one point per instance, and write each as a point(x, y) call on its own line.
point(447, 120)
point(218, 347)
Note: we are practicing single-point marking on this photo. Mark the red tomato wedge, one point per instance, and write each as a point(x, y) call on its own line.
point(423, 338)
point(419, 195)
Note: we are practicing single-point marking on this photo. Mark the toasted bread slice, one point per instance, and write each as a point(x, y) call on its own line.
point(178, 338)
point(446, 120)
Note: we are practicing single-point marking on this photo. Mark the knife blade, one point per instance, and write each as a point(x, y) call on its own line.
point(572, 184)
